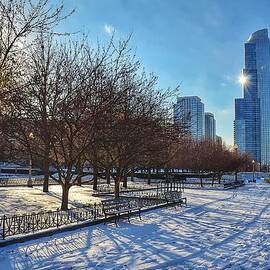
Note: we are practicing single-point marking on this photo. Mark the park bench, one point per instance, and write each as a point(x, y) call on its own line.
point(120, 208)
point(175, 197)
point(233, 184)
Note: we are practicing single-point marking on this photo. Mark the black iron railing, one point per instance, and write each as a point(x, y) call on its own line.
point(34, 222)
point(109, 188)
point(153, 190)
point(4, 182)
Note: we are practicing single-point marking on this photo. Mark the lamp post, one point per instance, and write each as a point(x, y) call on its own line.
point(253, 170)
point(29, 182)
point(236, 170)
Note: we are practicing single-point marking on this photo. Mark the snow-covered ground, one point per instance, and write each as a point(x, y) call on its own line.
point(218, 230)
point(21, 200)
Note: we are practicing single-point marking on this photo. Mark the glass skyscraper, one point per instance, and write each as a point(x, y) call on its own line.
point(190, 110)
point(252, 112)
point(210, 126)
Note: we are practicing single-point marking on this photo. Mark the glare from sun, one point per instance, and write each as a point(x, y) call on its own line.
point(243, 79)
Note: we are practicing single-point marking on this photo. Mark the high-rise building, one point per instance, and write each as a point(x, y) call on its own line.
point(210, 126)
point(252, 121)
point(190, 110)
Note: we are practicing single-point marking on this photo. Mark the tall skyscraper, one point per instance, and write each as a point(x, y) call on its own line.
point(210, 126)
point(252, 121)
point(191, 111)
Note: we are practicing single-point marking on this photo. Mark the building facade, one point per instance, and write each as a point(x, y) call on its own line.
point(210, 126)
point(190, 110)
point(252, 121)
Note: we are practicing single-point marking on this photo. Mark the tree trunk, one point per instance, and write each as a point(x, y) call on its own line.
point(166, 173)
point(108, 176)
point(95, 174)
point(132, 175)
point(219, 178)
point(65, 192)
point(79, 171)
point(79, 179)
point(46, 176)
point(125, 181)
point(201, 181)
point(117, 187)
point(149, 176)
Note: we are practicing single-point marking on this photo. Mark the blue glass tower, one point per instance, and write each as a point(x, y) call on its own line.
point(252, 121)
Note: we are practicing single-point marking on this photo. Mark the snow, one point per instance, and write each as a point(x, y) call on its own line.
point(20, 200)
point(218, 230)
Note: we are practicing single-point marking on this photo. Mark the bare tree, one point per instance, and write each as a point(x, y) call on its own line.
point(21, 20)
point(26, 65)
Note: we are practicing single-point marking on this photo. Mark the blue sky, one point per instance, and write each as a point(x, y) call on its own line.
point(195, 43)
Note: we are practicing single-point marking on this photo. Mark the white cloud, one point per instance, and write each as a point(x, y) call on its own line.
point(109, 29)
point(229, 80)
point(223, 84)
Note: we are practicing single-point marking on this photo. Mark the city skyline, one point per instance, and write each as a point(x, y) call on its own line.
point(197, 46)
point(252, 122)
point(190, 112)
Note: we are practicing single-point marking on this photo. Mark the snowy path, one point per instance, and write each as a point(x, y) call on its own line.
point(219, 230)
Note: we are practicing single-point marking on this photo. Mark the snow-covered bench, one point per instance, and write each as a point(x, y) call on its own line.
point(120, 207)
point(175, 197)
point(233, 184)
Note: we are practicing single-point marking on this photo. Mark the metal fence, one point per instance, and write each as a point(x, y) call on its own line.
point(152, 191)
point(172, 185)
point(109, 188)
point(4, 182)
point(30, 223)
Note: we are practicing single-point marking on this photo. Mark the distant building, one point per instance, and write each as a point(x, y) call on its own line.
point(190, 110)
point(252, 121)
point(210, 126)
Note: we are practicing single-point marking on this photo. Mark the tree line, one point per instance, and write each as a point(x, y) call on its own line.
point(66, 103)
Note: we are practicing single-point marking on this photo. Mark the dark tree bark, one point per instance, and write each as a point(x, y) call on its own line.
point(79, 172)
point(65, 193)
point(201, 180)
point(46, 176)
point(125, 181)
point(219, 178)
point(213, 179)
point(117, 187)
point(95, 175)
point(132, 175)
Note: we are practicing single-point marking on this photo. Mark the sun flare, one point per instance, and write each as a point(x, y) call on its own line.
point(243, 79)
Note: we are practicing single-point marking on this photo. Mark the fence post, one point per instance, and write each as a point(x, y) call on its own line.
point(95, 211)
point(4, 227)
point(33, 222)
point(57, 217)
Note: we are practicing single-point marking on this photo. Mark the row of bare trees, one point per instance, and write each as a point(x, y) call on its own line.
point(208, 156)
point(65, 103)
